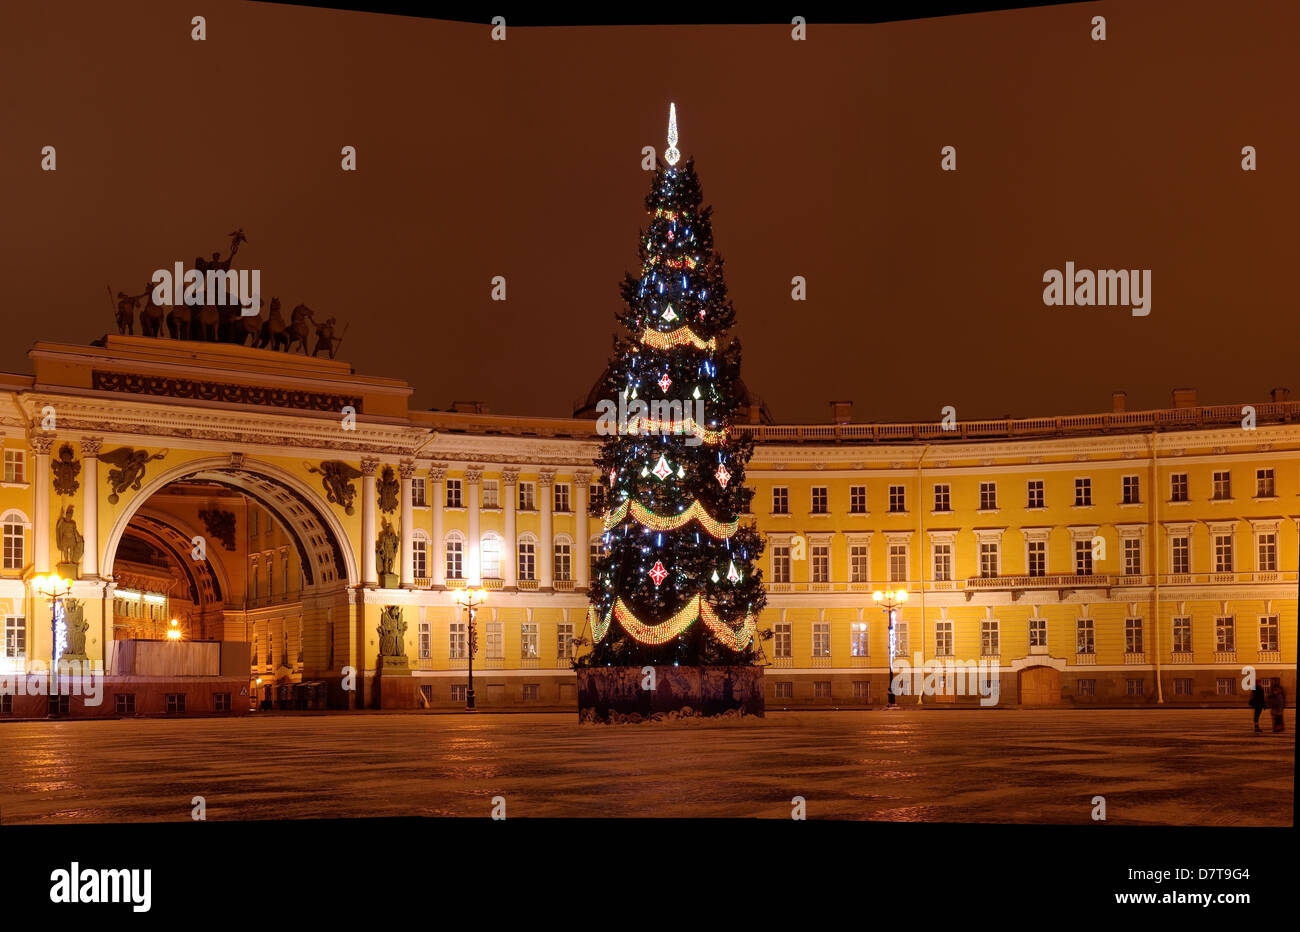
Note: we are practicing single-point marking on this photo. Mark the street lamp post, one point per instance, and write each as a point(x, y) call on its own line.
point(890, 600)
point(53, 587)
point(470, 600)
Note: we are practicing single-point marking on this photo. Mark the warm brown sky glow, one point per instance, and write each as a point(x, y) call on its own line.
point(821, 159)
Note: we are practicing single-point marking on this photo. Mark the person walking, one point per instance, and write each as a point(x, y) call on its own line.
point(1277, 705)
point(1257, 702)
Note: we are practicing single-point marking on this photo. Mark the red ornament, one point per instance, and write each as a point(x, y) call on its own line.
point(658, 573)
point(665, 382)
point(611, 477)
point(723, 476)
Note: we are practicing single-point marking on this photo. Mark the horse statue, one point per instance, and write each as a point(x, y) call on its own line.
point(275, 332)
point(151, 319)
point(179, 321)
point(245, 330)
point(299, 328)
point(209, 322)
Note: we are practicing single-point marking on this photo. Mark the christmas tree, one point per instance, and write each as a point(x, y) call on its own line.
point(676, 581)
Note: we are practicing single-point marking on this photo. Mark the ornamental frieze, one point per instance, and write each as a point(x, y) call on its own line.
point(228, 392)
point(243, 437)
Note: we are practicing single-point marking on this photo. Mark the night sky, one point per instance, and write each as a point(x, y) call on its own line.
point(821, 158)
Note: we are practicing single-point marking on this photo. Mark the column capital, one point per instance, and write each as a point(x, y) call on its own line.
point(406, 468)
point(583, 477)
point(546, 477)
point(473, 475)
point(90, 446)
point(41, 445)
point(368, 467)
point(437, 472)
point(509, 476)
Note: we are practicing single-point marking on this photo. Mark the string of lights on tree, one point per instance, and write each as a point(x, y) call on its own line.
point(674, 551)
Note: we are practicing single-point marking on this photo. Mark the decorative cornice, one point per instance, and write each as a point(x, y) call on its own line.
point(226, 392)
point(133, 422)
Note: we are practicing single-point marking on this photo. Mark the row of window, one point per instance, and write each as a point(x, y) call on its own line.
point(1225, 637)
point(529, 692)
point(990, 557)
point(1035, 493)
point(123, 703)
point(256, 576)
point(494, 641)
point(490, 495)
point(491, 556)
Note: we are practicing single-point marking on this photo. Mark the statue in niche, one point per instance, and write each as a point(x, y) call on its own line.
point(336, 480)
point(221, 525)
point(76, 626)
point(129, 471)
point(386, 555)
point(65, 469)
point(388, 490)
point(70, 543)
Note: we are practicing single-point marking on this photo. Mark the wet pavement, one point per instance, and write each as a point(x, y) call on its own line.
point(1173, 767)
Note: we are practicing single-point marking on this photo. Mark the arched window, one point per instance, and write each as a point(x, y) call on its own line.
point(15, 525)
point(490, 556)
point(563, 557)
point(455, 555)
point(420, 555)
point(527, 556)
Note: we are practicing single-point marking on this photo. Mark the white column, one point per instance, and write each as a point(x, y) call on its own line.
point(473, 568)
point(41, 517)
point(368, 576)
point(437, 555)
point(510, 551)
point(582, 530)
point(90, 447)
point(546, 546)
point(407, 578)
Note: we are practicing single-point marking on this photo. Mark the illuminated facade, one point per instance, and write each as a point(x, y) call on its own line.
point(1115, 559)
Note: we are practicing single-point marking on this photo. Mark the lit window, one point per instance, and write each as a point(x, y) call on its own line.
point(858, 639)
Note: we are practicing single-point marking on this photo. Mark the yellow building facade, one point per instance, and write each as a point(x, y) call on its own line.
point(294, 506)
